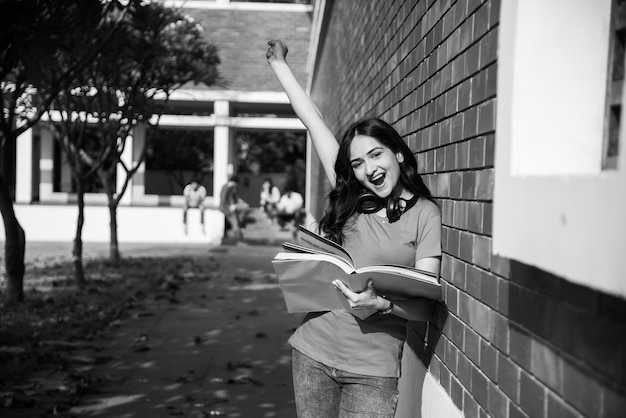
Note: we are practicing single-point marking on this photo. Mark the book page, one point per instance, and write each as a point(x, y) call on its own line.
point(297, 248)
point(311, 239)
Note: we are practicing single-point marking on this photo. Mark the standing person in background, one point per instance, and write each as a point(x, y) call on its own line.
point(381, 211)
point(233, 208)
point(269, 197)
point(195, 195)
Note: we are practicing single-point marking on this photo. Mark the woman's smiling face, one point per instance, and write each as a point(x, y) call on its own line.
point(375, 166)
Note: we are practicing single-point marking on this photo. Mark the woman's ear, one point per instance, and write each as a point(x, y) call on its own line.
point(400, 157)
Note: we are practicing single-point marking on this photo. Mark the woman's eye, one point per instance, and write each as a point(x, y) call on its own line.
point(356, 165)
point(377, 154)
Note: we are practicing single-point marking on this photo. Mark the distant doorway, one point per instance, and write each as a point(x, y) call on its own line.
point(279, 155)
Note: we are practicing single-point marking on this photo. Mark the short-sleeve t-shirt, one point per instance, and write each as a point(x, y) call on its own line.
point(372, 346)
point(194, 196)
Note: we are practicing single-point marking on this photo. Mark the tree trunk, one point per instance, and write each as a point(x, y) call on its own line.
point(114, 247)
point(77, 250)
point(14, 245)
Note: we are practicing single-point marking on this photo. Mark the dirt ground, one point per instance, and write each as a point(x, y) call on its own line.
point(39, 339)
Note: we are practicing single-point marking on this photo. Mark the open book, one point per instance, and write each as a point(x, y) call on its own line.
point(306, 270)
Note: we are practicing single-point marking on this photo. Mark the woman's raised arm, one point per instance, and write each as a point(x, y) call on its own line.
point(324, 141)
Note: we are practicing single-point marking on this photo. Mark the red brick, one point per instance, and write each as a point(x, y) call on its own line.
point(489, 360)
point(471, 346)
point(450, 358)
point(444, 378)
point(532, 396)
point(497, 404)
point(453, 48)
point(450, 157)
point(501, 333)
point(489, 289)
point(481, 320)
point(456, 333)
point(520, 347)
point(509, 377)
point(466, 246)
point(557, 408)
point(492, 78)
point(456, 393)
point(515, 412)
point(452, 101)
point(487, 117)
point(470, 406)
point(456, 128)
point(546, 365)
point(469, 185)
point(460, 215)
point(501, 266)
point(464, 370)
point(488, 49)
point(470, 122)
point(503, 296)
point(477, 152)
point(475, 217)
point(494, 12)
point(465, 95)
point(472, 60)
point(467, 33)
point(480, 387)
point(454, 240)
point(484, 184)
point(581, 389)
point(473, 282)
point(482, 252)
point(490, 150)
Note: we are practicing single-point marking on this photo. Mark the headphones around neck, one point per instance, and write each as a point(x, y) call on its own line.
point(368, 202)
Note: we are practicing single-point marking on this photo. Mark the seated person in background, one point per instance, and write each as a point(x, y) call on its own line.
point(290, 207)
point(269, 198)
point(233, 208)
point(194, 194)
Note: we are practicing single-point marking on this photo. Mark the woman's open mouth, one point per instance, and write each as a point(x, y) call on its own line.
point(377, 180)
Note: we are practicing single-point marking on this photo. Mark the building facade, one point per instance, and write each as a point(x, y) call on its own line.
point(512, 109)
point(251, 101)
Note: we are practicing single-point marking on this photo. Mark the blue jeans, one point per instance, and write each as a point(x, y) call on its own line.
point(326, 392)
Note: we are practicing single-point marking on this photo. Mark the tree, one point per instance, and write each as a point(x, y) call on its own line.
point(33, 33)
point(164, 51)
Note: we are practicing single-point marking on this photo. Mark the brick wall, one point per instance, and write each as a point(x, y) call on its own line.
point(512, 340)
point(242, 35)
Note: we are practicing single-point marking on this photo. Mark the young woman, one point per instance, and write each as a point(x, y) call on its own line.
point(344, 366)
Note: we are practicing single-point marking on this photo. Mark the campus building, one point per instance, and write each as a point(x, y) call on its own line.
point(513, 109)
point(211, 118)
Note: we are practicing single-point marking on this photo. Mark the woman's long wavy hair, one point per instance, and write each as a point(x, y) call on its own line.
point(342, 200)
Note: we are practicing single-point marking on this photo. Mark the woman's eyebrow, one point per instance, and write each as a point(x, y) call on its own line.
point(368, 153)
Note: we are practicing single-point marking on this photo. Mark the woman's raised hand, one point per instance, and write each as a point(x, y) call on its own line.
point(277, 50)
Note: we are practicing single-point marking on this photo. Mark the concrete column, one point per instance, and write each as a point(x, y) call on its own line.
point(221, 152)
point(46, 165)
point(24, 168)
point(127, 158)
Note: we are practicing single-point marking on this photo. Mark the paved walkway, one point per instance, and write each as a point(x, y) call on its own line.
point(219, 350)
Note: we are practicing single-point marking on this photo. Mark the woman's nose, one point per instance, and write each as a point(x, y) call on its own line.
point(369, 167)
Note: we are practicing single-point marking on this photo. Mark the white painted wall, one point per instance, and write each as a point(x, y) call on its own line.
point(554, 208)
point(57, 223)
